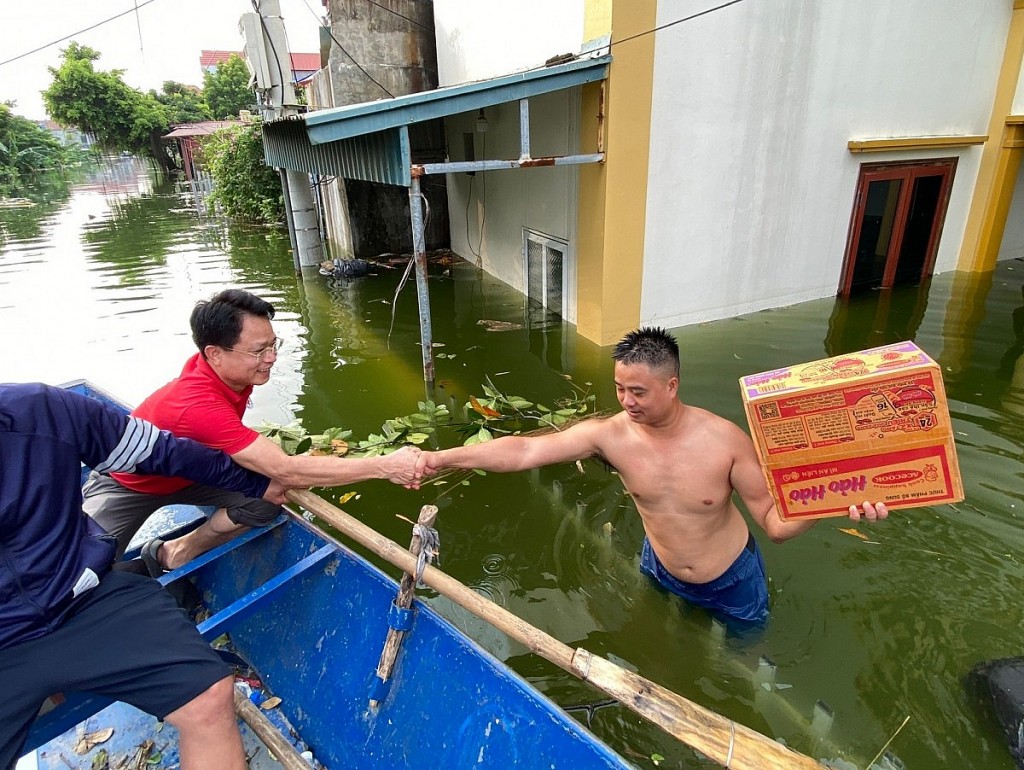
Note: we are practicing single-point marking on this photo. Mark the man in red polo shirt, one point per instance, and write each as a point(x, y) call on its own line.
point(237, 350)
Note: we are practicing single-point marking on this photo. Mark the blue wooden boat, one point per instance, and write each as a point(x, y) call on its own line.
point(309, 617)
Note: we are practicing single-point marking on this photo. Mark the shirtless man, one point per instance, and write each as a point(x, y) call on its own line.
point(681, 465)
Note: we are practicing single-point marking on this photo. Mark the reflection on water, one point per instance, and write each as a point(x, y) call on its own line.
point(100, 285)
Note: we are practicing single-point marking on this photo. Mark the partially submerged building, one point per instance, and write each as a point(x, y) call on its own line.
point(668, 162)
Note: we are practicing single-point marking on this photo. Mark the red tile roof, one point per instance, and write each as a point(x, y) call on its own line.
point(300, 61)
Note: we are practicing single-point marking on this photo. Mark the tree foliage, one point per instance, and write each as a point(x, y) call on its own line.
point(102, 104)
point(184, 103)
point(27, 150)
point(243, 185)
point(227, 88)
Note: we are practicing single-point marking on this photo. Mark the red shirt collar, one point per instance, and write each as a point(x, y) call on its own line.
point(197, 366)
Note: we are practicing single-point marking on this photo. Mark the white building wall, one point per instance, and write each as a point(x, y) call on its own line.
point(751, 184)
point(499, 204)
point(479, 39)
point(1012, 246)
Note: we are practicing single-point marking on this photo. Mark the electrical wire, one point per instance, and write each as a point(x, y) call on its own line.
point(396, 13)
point(352, 58)
point(673, 23)
point(273, 50)
point(134, 9)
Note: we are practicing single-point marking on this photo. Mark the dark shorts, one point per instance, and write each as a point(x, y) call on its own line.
point(126, 639)
point(739, 594)
point(121, 511)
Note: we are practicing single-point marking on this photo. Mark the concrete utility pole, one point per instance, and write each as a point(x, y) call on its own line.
point(270, 61)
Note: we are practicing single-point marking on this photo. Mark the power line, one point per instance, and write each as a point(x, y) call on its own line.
point(352, 58)
point(396, 13)
point(87, 29)
point(673, 23)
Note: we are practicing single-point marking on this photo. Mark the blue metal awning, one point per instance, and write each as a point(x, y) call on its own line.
point(370, 141)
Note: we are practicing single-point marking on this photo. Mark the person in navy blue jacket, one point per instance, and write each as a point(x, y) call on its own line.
point(67, 620)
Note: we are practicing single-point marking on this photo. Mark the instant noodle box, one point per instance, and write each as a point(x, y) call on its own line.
point(871, 425)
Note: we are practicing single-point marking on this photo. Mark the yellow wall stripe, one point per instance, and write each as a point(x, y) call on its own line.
point(997, 173)
point(613, 195)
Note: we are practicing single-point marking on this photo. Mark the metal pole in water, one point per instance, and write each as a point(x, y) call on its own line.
point(419, 255)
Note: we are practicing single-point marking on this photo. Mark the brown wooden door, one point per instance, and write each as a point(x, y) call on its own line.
point(897, 219)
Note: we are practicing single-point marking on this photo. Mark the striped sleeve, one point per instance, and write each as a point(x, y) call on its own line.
point(135, 446)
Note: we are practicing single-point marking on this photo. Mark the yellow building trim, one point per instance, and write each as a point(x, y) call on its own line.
point(1000, 160)
point(613, 195)
point(914, 143)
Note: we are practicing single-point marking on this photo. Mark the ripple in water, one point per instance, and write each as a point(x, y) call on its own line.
point(498, 582)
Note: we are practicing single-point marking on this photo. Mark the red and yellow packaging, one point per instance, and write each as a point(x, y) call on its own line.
point(871, 425)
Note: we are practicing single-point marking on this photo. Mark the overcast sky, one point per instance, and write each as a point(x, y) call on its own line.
point(161, 42)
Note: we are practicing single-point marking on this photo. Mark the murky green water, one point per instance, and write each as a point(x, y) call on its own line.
point(99, 284)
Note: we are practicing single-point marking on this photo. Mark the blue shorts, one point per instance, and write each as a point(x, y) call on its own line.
point(738, 594)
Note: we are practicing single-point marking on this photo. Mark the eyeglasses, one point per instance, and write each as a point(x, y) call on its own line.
point(261, 354)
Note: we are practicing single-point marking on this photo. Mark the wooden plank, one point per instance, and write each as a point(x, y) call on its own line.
point(729, 744)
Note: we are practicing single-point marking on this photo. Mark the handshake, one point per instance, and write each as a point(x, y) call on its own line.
point(410, 465)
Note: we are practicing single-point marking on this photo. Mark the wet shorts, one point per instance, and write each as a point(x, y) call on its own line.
point(738, 594)
point(126, 639)
point(121, 511)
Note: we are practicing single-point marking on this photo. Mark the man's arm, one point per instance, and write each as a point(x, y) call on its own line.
point(110, 441)
point(266, 457)
point(748, 480)
point(518, 453)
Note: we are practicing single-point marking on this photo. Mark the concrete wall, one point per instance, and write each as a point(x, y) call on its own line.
point(751, 182)
point(501, 203)
point(1012, 246)
point(388, 51)
point(479, 40)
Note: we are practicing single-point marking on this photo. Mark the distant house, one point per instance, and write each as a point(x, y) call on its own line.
point(67, 135)
point(189, 136)
point(303, 64)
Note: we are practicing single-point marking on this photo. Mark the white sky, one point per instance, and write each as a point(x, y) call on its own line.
point(173, 32)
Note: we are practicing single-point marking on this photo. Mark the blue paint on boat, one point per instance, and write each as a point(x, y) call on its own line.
point(310, 616)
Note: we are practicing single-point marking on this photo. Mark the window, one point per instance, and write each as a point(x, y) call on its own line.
point(545, 279)
point(896, 223)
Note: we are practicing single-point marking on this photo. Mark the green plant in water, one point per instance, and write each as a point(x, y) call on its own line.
point(487, 417)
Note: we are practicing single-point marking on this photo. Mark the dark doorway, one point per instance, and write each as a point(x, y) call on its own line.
point(897, 219)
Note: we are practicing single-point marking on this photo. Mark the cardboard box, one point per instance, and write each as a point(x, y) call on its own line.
point(871, 425)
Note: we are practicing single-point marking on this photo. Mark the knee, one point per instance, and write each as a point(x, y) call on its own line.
point(208, 708)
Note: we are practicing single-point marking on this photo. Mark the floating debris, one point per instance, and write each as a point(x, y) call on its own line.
point(498, 326)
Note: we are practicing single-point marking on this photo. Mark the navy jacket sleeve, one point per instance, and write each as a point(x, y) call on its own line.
point(110, 441)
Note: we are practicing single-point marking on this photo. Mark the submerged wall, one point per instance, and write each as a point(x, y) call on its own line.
point(751, 182)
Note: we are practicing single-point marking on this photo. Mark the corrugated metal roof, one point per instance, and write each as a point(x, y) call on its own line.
point(324, 141)
point(203, 128)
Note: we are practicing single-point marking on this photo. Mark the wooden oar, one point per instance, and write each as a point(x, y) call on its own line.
point(729, 744)
point(283, 751)
point(406, 593)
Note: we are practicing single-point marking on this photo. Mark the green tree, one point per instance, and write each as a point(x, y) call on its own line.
point(27, 150)
point(243, 185)
point(101, 103)
point(184, 103)
point(227, 89)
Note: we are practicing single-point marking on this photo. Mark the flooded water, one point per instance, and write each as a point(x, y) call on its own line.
point(99, 283)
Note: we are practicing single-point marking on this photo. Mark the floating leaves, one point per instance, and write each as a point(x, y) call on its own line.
point(853, 532)
point(857, 533)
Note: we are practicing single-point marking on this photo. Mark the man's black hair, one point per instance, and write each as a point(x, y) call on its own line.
point(649, 345)
point(218, 321)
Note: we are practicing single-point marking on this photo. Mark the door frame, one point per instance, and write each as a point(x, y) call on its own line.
point(907, 172)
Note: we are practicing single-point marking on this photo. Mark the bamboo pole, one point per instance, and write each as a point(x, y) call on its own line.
point(406, 592)
point(276, 743)
point(723, 741)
